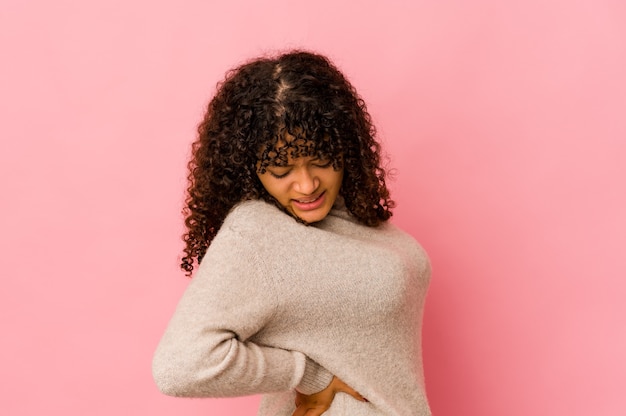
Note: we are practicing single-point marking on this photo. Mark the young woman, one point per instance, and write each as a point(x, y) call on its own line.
point(303, 292)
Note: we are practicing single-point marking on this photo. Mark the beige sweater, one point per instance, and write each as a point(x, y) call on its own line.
point(277, 305)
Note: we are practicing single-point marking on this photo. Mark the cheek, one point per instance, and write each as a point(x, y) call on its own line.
point(266, 183)
point(274, 188)
point(338, 178)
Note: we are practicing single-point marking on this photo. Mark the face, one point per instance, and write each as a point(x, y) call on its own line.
point(306, 187)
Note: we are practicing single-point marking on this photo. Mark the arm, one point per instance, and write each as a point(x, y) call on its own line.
point(206, 352)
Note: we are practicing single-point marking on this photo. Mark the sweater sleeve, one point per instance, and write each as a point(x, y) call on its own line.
point(315, 378)
point(207, 351)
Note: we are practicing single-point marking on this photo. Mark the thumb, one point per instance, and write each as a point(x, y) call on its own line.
point(343, 387)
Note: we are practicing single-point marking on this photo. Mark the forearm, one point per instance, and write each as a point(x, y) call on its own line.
point(223, 366)
point(226, 368)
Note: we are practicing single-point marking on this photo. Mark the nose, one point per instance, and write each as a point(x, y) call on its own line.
point(305, 182)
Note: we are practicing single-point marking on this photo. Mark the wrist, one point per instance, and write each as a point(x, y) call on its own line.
point(314, 379)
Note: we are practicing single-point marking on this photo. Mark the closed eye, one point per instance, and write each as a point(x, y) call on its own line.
point(278, 175)
point(323, 163)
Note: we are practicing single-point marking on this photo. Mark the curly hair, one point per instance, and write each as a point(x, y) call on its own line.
point(298, 93)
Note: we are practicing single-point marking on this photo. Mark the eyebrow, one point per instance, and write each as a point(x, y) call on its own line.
point(289, 165)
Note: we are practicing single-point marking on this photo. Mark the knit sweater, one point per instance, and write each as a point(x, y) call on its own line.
point(277, 305)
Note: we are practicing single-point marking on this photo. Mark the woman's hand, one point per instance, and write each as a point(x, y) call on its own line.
point(318, 403)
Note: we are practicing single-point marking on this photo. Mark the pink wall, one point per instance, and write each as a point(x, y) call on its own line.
point(505, 122)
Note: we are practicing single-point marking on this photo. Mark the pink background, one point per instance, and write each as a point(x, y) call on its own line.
point(505, 123)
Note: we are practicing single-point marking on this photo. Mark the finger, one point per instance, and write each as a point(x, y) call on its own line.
point(360, 397)
point(300, 411)
point(357, 395)
point(303, 411)
point(314, 412)
point(349, 390)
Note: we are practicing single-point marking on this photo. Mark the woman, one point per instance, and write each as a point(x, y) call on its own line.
point(304, 292)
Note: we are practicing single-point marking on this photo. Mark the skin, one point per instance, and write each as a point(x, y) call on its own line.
point(318, 403)
point(306, 187)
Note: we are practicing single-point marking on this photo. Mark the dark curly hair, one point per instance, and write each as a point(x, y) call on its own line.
point(255, 106)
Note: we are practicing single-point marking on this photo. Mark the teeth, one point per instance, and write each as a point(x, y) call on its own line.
point(307, 201)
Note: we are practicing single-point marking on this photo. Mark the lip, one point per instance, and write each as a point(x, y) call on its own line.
point(314, 203)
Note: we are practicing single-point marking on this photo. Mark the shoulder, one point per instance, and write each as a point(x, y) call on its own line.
point(242, 237)
point(409, 246)
point(255, 217)
point(251, 211)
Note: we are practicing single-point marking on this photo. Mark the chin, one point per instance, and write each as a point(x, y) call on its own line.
point(313, 217)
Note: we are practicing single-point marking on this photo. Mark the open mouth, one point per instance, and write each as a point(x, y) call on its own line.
point(310, 200)
point(307, 204)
